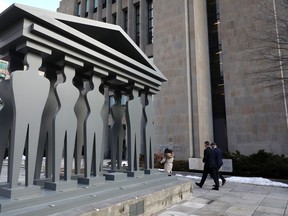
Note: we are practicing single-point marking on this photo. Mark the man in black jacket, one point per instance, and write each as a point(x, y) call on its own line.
point(210, 167)
point(219, 161)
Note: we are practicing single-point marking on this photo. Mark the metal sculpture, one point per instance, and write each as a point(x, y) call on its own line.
point(28, 106)
point(54, 116)
point(117, 132)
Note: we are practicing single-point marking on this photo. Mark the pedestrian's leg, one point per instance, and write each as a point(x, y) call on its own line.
point(214, 173)
point(221, 177)
point(204, 176)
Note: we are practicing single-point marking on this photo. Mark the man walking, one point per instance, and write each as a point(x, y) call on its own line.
point(219, 161)
point(210, 167)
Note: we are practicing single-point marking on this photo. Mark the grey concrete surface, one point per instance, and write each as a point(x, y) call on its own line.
point(233, 199)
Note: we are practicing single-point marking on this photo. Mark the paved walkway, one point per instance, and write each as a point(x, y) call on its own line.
point(233, 199)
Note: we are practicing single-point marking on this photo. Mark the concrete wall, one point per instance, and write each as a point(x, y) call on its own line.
point(181, 53)
point(255, 117)
point(68, 8)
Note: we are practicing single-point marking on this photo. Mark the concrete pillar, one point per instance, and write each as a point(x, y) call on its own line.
point(109, 11)
point(83, 2)
point(91, 9)
point(99, 10)
point(202, 119)
point(131, 28)
point(119, 11)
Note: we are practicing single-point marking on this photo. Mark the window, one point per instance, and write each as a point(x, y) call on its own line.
point(150, 21)
point(113, 1)
point(125, 24)
point(137, 23)
point(112, 101)
point(86, 8)
point(104, 19)
point(3, 71)
point(79, 9)
point(95, 5)
point(114, 18)
point(104, 3)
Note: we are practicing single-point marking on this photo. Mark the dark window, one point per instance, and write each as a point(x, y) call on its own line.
point(95, 5)
point(114, 18)
point(104, 3)
point(137, 23)
point(125, 24)
point(216, 75)
point(113, 1)
point(79, 9)
point(104, 19)
point(150, 21)
point(86, 8)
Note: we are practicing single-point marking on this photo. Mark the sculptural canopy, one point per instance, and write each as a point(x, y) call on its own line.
point(99, 46)
point(83, 61)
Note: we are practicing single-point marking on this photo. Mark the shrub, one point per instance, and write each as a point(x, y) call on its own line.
point(181, 165)
point(260, 164)
point(157, 158)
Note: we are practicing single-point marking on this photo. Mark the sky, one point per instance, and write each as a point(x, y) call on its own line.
point(51, 5)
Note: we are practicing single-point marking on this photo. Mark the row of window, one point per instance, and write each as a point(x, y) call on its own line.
point(104, 5)
point(125, 17)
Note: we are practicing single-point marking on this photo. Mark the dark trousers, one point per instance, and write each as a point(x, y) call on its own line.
point(214, 175)
point(220, 175)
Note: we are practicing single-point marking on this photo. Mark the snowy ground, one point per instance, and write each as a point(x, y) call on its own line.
point(245, 180)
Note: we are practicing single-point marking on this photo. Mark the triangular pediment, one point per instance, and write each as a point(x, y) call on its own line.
point(110, 39)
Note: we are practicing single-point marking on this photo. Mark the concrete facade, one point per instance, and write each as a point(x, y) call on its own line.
point(256, 118)
point(253, 118)
point(183, 113)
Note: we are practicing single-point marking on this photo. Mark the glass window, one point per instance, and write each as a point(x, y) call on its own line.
point(150, 21)
point(95, 5)
point(137, 23)
point(112, 101)
point(104, 3)
point(113, 1)
point(3, 69)
point(114, 18)
point(79, 9)
point(125, 26)
point(86, 8)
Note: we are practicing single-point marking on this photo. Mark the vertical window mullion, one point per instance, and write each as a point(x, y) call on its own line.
point(137, 23)
point(150, 21)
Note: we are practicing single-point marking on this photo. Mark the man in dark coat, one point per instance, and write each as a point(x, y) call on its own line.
point(219, 161)
point(210, 167)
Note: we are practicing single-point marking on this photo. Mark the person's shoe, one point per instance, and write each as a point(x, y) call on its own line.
point(215, 188)
point(198, 184)
point(223, 182)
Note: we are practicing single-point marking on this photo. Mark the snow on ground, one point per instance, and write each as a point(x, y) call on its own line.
point(245, 180)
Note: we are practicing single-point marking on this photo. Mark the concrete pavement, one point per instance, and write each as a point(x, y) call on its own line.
point(233, 199)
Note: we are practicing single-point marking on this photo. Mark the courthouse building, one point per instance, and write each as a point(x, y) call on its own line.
point(204, 49)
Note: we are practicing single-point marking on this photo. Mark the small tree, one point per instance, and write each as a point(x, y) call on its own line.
point(271, 45)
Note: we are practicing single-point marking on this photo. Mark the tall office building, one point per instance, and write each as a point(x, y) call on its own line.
point(204, 49)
